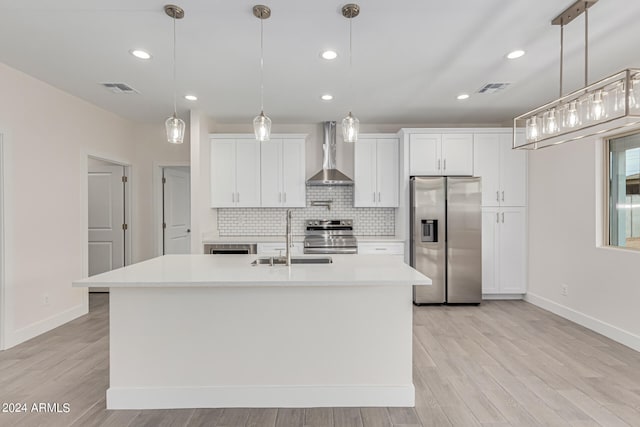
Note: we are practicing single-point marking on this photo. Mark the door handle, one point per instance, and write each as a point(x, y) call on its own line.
point(188, 230)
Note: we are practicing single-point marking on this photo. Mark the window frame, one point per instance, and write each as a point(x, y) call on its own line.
point(607, 183)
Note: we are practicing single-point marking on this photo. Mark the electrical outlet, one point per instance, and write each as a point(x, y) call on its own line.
point(564, 289)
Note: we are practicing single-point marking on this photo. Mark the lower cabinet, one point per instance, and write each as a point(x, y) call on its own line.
point(504, 240)
point(381, 248)
point(279, 249)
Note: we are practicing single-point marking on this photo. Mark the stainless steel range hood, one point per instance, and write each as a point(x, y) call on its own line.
point(329, 175)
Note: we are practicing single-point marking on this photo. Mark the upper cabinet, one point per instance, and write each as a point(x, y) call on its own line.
point(250, 174)
point(282, 166)
point(503, 170)
point(376, 173)
point(441, 154)
point(235, 172)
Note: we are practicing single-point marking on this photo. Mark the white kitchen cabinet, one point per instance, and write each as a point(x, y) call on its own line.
point(376, 173)
point(381, 248)
point(282, 172)
point(441, 154)
point(279, 249)
point(503, 250)
point(235, 173)
point(503, 170)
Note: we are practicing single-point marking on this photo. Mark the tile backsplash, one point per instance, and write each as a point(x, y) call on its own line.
point(271, 221)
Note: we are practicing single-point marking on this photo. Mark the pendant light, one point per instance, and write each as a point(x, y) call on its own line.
point(350, 124)
point(262, 123)
point(174, 125)
point(601, 108)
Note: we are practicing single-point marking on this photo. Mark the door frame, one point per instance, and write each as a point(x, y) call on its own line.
point(128, 209)
point(4, 318)
point(158, 234)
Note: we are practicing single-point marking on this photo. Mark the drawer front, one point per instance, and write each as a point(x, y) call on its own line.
point(375, 248)
point(278, 248)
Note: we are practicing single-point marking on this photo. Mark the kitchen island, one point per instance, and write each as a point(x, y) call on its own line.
point(198, 331)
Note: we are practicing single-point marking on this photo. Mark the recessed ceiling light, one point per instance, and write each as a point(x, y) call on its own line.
point(327, 97)
point(463, 96)
point(515, 54)
point(141, 54)
point(329, 54)
point(191, 97)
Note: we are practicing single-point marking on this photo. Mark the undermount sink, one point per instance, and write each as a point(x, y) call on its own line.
point(294, 260)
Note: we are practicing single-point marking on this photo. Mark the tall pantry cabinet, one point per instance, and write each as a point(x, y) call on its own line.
point(504, 213)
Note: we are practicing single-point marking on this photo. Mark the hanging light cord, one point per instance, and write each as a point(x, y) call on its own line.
point(261, 64)
point(561, 54)
point(175, 109)
point(351, 61)
point(586, 43)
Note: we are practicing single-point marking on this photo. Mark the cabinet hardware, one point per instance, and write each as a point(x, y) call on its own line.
point(503, 195)
point(279, 197)
point(233, 197)
point(125, 227)
point(124, 179)
point(497, 196)
point(374, 197)
point(284, 198)
point(238, 197)
point(378, 197)
point(438, 164)
point(503, 217)
point(445, 164)
point(497, 218)
point(380, 249)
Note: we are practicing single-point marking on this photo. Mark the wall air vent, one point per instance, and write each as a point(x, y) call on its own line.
point(119, 88)
point(493, 87)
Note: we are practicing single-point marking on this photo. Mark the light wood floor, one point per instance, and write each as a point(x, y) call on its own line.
point(503, 363)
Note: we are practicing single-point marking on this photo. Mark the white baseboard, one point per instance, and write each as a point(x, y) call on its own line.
point(606, 329)
point(260, 397)
point(502, 296)
point(24, 334)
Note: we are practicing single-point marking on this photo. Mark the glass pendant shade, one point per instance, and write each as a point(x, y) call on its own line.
point(350, 128)
point(262, 127)
point(175, 129)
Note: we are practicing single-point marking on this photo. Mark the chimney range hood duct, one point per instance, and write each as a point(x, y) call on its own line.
point(329, 175)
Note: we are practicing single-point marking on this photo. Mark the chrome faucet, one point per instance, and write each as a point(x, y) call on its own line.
point(288, 238)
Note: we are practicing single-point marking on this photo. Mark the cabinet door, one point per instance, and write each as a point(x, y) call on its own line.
point(247, 173)
point(486, 164)
point(271, 173)
point(513, 174)
point(490, 224)
point(387, 172)
point(457, 154)
point(294, 187)
point(364, 173)
point(223, 176)
point(512, 250)
point(424, 154)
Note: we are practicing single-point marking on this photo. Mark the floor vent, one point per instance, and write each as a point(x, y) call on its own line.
point(493, 87)
point(119, 88)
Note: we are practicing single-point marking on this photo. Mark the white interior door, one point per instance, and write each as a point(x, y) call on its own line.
point(176, 211)
point(106, 217)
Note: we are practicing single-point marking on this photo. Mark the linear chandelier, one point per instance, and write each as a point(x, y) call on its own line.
point(608, 105)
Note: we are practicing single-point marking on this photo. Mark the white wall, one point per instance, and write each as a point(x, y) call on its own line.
point(48, 136)
point(565, 229)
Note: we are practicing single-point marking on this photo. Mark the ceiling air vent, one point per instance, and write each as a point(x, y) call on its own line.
point(493, 87)
point(119, 88)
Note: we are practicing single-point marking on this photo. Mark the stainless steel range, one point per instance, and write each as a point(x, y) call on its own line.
point(330, 236)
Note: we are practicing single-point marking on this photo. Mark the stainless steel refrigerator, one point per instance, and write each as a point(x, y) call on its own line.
point(446, 239)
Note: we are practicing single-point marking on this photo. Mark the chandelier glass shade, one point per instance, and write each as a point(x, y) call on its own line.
point(608, 105)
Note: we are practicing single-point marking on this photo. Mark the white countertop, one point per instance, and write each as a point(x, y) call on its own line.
point(236, 270)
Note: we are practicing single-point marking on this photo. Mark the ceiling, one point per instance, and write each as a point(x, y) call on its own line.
point(411, 58)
